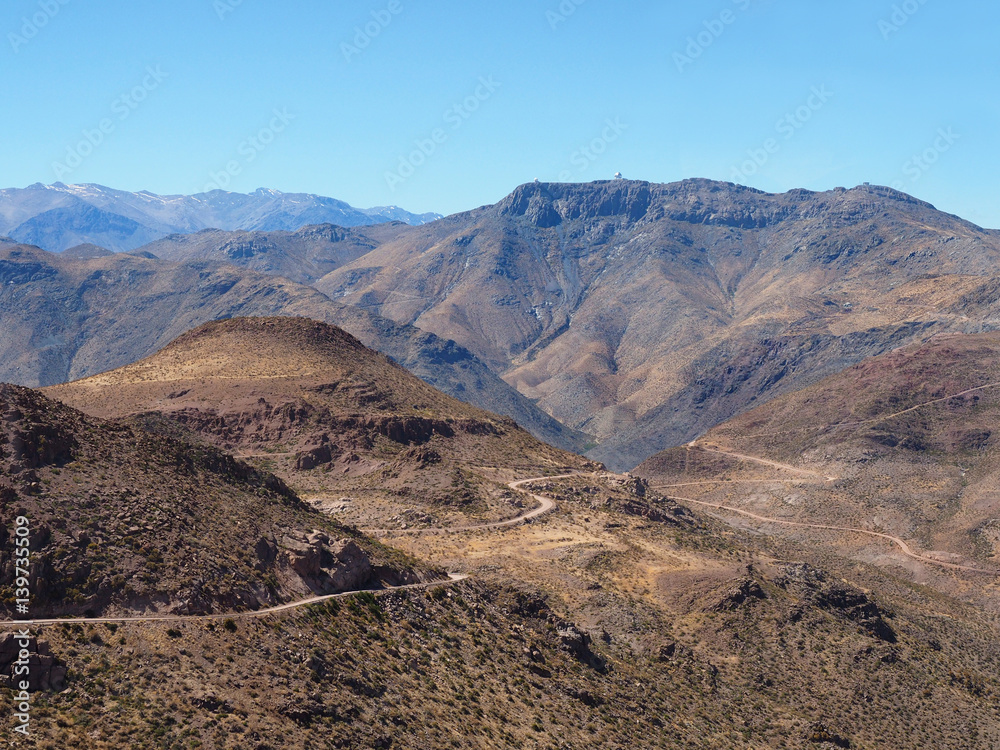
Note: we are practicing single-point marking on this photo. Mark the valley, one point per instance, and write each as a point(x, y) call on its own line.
point(310, 542)
point(644, 314)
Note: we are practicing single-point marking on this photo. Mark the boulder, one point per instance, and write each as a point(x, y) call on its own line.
point(574, 640)
point(314, 456)
point(45, 672)
point(352, 567)
point(327, 567)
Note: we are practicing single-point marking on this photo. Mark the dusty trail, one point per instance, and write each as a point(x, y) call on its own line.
point(452, 578)
point(903, 546)
point(765, 461)
point(545, 505)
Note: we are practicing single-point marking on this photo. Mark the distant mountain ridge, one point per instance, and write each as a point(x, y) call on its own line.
point(645, 314)
point(57, 217)
point(70, 315)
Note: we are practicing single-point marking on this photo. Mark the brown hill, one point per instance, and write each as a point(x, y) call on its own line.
point(68, 317)
point(123, 520)
point(327, 414)
point(910, 437)
point(645, 314)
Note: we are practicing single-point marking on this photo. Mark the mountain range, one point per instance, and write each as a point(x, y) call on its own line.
point(638, 314)
point(58, 217)
point(70, 315)
point(645, 314)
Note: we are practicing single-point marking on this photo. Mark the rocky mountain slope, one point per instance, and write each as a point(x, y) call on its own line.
point(908, 439)
point(622, 618)
point(57, 217)
point(599, 627)
point(645, 314)
point(305, 255)
point(328, 415)
point(73, 315)
point(123, 520)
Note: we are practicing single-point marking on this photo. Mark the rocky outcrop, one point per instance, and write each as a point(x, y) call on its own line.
point(670, 513)
point(212, 703)
point(744, 590)
point(837, 597)
point(318, 454)
point(546, 205)
point(277, 423)
point(574, 640)
point(45, 672)
point(27, 441)
point(327, 566)
point(819, 733)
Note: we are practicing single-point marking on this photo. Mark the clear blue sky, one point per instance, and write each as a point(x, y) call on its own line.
point(555, 81)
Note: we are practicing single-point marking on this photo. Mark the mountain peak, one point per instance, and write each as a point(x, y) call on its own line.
point(546, 204)
point(248, 348)
point(694, 200)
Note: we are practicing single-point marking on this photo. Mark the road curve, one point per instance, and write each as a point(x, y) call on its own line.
point(903, 546)
point(452, 578)
point(765, 461)
point(545, 505)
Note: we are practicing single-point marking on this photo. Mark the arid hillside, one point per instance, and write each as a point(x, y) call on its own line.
point(73, 315)
point(308, 401)
point(903, 444)
point(618, 618)
point(645, 314)
point(124, 520)
point(621, 620)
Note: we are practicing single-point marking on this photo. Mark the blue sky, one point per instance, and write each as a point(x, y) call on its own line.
point(447, 105)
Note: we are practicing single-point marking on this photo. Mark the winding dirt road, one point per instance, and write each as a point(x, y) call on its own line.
point(545, 505)
point(452, 578)
point(765, 461)
point(903, 546)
